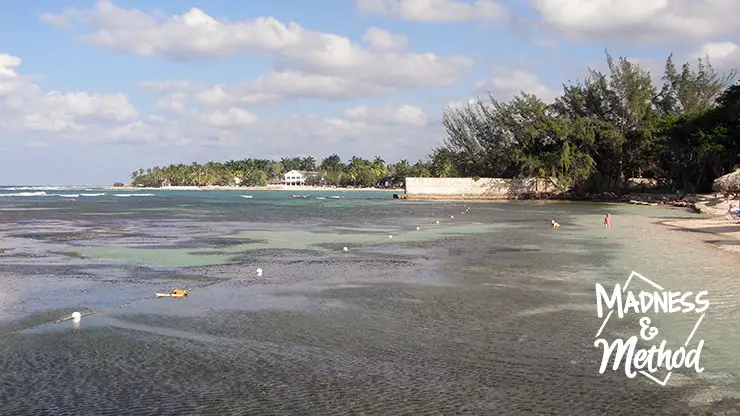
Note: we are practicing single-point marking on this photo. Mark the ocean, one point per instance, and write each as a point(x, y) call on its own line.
point(434, 308)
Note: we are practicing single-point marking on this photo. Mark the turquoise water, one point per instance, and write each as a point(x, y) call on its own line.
point(489, 312)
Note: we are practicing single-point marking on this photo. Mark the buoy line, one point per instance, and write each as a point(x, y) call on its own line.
point(76, 317)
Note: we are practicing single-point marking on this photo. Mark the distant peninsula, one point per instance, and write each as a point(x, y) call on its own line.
point(296, 172)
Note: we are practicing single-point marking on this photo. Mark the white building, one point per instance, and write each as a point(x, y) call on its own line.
point(294, 177)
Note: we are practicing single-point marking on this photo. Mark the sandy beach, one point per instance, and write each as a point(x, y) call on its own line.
point(254, 188)
point(721, 232)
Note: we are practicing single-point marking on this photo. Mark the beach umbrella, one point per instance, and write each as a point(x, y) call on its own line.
point(728, 184)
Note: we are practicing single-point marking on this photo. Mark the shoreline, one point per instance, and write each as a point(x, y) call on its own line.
point(250, 188)
point(647, 199)
point(720, 232)
point(710, 211)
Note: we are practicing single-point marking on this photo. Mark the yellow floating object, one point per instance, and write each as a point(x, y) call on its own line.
point(177, 293)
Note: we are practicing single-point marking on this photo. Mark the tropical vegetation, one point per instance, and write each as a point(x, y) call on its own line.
point(598, 133)
point(605, 129)
point(331, 171)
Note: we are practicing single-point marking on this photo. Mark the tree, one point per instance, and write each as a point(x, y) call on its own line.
point(691, 91)
point(331, 163)
point(600, 131)
point(444, 163)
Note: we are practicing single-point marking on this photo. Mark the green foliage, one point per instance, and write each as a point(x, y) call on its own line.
point(358, 172)
point(605, 129)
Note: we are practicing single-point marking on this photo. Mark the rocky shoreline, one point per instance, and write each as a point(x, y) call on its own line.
point(695, 202)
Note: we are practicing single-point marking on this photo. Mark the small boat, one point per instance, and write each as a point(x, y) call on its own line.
point(246, 196)
point(301, 196)
point(336, 197)
point(177, 293)
point(320, 197)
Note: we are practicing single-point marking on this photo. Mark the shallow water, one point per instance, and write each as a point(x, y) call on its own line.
point(489, 312)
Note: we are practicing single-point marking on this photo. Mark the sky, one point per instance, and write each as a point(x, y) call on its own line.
point(93, 90)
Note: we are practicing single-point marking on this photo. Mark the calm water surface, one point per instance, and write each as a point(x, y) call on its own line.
point(490, 312)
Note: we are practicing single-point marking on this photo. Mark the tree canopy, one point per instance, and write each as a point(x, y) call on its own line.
point(606, 128)
point(258, 172)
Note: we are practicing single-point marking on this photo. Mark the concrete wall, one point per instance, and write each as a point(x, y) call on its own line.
point(469, 188)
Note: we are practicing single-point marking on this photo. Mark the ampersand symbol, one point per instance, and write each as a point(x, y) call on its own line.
point(647, 332)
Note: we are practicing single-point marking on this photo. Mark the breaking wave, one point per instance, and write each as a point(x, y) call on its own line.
point(25, 194)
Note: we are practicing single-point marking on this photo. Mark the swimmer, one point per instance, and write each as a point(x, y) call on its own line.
point(555, 224)
point(608, 221)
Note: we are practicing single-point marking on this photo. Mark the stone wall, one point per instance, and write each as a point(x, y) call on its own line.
point(469, 188)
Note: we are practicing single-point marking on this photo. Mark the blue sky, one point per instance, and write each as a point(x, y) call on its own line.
point(92, 90)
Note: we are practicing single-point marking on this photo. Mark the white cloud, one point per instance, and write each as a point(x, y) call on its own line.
point(383, 41)
point(9, 65)
point(174, 103)
point(405, 114)
point(404, 132)
point(507, 82)
point(718, 50)
point(195, 34)
point(436, 10)
point(270, 89)
point(653, 21)
point(24, 106)
point(722, 55)
point(233, 117)
point(30, 114)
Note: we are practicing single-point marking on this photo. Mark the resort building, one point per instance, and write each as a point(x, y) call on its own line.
point(299, 177)
point(294, 177)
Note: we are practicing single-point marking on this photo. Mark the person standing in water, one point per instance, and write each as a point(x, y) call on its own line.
point(608, 222)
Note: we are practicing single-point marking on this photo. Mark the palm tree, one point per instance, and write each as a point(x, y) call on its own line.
point(378, 166)
point(309, 163)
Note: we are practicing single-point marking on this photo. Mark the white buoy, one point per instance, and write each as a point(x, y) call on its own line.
point(417, 228)
point(390, 236)
point(452, 216)
point(437, 221)
point(76, 316)
point(345, 249)
point(259, 272)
